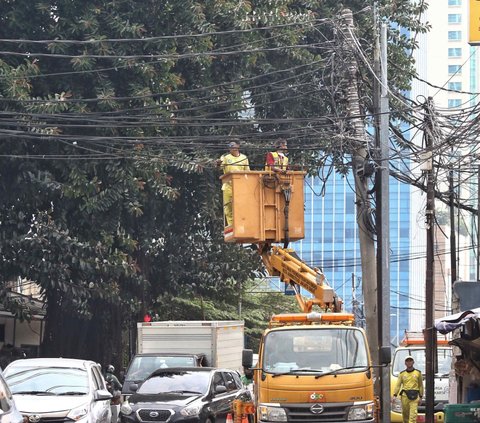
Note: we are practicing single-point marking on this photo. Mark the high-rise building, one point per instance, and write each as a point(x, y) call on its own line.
point(331, 243)
point(450, 66)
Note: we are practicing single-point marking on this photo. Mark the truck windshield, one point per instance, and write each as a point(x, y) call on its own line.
point(444, 360)
point(319, 349)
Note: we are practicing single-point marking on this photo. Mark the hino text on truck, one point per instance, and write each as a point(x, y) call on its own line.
point(314, 365)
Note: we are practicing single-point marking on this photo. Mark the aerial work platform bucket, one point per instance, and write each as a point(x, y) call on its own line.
point(259, 200)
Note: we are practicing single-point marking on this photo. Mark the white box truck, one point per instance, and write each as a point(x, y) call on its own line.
point(221, 341)
point(182, 343)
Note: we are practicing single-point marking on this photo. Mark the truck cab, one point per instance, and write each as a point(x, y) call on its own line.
point(416, 349)
point(313, 371)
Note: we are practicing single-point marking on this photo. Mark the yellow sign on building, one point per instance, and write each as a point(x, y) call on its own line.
point(474, 38)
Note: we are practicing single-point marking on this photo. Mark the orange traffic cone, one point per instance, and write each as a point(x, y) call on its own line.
point(229, 418)
point(244, 418)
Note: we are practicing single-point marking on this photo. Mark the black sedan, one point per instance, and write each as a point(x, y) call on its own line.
point(186, 395)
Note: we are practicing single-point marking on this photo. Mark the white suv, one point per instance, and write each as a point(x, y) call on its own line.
point(47, 389)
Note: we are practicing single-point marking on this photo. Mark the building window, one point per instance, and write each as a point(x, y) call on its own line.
point(454, 70)
point(454, 18)
point(457, 86)
point(454, 102)
point(455, 52)
point(454, 2)
point(454, 35)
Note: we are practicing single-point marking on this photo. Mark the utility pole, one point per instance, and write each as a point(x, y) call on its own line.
point(359, 156)
point(453, 241)
point(430, 341)
point(383, 215)
point(478, 223)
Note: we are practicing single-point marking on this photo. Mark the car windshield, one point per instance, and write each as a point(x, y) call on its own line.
point(47, 380)
point(321, 349)
point(177, 381)
point(444, 360)
point(141, 367)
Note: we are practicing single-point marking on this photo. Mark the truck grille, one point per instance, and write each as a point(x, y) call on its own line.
point(301, 413)
point(153, 415)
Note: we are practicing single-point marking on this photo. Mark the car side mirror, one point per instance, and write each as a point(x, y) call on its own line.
point(385, 355)
point(220, 389)
point(134, 387)
point(247, 358)
point(102, 395)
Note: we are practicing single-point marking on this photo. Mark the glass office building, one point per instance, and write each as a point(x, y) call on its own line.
point(331, 243)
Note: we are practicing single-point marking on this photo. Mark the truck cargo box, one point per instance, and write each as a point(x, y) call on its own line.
point(220, 341)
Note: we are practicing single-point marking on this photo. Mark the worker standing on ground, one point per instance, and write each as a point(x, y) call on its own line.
point(234, 161)
point(277, 161)
point(410, 388)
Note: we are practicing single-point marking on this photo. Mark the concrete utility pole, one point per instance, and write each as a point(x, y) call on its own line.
point(383, 214)
point(453, 242)
point(478, 224)
point(367, 244)
point(430, 338)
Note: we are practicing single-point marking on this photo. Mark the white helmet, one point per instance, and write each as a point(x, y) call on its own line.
point(110, 368)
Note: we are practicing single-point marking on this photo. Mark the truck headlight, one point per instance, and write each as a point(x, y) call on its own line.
point(272, 414)
point(396, 405)
point(191, 410)
point(361, 412)
point(126, 408)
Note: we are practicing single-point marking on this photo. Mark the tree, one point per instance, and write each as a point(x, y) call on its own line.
point(112, 114)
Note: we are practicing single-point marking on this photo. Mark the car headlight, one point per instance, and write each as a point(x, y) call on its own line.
point(78, 413)
point(361, 412)
point(272, 414)
point(126, 408)
point(396, 405)
point(191, 410)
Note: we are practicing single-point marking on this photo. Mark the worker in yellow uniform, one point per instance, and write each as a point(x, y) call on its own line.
point(410, 388)
point(277, 161)
point(234, 161)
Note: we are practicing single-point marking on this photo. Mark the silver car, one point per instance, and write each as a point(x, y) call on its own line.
point(59, 389)
point(8, 411)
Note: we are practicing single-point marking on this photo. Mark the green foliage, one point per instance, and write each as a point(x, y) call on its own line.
point(109, 199)
point(256, 305)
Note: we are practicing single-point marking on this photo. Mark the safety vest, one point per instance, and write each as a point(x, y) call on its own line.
point(231, 163)
point(279, 160)
point(410, 380)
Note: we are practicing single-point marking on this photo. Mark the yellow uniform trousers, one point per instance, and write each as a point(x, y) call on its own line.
point(409, 409)
point(227, 203)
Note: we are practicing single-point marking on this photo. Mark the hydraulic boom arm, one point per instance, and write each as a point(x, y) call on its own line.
point(285, 263)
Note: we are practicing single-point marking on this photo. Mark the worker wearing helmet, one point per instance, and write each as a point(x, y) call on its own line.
point(277, 161)
point(111, 379)
point(410, 387)
point(234, 161)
